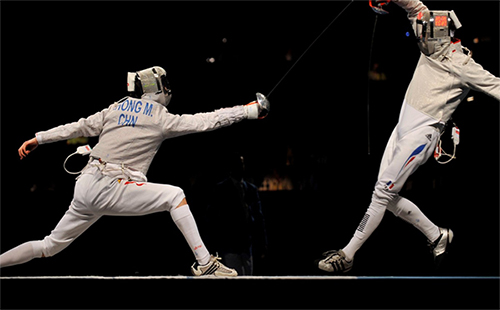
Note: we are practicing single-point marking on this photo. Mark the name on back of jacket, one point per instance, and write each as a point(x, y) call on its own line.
point(132, 109)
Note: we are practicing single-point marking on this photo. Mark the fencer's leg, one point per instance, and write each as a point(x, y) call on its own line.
point(21, 254)
point(183, 218)
point(401, 158)
point(402, 207)
point(380, 199)
point(182, 203)
point(71, 225)
point(376, 210)
point(408, 211)
point(342, 261)
point(132, 198)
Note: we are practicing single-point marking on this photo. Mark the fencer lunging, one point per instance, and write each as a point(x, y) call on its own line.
point(114, 181)
point(444, 75)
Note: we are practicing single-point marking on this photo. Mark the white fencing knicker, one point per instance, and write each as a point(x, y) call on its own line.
point(96, 195)
point(402, 157)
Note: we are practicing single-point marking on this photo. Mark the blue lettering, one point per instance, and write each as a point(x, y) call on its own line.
point(130, 106)
point(138, 107)
point(127, 120)
point(133, 120)
point(123, 106)
point(120, 119)
point(148, 109)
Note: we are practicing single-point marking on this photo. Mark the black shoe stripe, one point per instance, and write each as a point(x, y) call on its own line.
point(211, 270)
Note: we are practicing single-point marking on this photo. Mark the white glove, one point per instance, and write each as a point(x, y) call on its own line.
point(258, 109)
point(252, 110)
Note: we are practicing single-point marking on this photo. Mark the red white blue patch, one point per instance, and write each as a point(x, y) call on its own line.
point(389, 185)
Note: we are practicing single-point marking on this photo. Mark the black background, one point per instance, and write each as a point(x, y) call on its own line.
point(64, 60)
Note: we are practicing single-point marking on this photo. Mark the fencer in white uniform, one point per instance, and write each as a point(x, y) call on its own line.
point(444, 75)
point(114, 182)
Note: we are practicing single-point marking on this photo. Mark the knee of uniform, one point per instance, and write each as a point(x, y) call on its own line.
point(383, 195)
point(393, 206)
point(51, 246)
point(38, 249)
point(177, 195)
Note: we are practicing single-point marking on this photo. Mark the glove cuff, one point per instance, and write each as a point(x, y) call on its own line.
point(252, 110)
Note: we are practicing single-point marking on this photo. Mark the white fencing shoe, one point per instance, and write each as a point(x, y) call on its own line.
point(335, 262)
point(439, 248)
point(214, 268)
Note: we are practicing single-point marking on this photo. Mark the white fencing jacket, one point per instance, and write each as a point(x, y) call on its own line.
point(441, 81)
point(131, 132)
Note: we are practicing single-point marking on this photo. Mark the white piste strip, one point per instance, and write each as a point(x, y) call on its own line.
point(248, 278)
point(178, 278)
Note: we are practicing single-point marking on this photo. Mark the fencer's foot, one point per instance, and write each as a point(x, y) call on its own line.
point(440, 247)
point(214, 268)
point(335, 262)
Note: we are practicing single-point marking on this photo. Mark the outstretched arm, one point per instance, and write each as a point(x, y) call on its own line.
point(178, 125)
point(85, 127)
point(27, 147)
point(412, 7)
point(479, 79)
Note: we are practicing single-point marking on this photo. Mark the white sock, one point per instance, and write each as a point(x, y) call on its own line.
point(368, 224)
point(184, 220)
point(370, 221)
point(20, 254)
point(408, 211)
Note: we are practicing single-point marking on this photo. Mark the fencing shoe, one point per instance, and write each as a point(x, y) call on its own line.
point(439, 248)
point(214, 268)
point(335, 262)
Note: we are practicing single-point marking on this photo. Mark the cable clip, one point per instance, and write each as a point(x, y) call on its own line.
point(438, 152)
point(82, 150)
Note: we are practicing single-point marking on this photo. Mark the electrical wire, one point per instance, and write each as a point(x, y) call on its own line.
point(368, 88)
point(307, 49)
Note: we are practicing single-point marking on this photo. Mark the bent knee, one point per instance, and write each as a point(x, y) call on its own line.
point(393, 206)
point(50, 246)
point(383, 194)
point(175, 198)
point(182, 203)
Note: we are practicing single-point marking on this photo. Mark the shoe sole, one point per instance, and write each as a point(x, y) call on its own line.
point(216, 276)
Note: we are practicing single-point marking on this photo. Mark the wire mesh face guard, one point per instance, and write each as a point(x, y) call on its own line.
point(150, 81)
point(434, 28)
